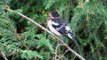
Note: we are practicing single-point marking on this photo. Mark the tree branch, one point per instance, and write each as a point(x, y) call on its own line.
point(65, 52)
point(27, 18)
point(3, 55)
point(56, 56)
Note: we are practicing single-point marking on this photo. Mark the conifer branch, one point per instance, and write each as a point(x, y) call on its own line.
point(16, 35)
point(27, 18)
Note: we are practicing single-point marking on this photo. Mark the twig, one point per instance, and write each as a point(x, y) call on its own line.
point(59, 57)
point(65, 52)
point(74, 57)
point(71, 49)
point(3, 55)
point(27, 18)
point(55, 58)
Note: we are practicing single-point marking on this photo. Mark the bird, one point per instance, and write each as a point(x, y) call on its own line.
point(59, 27)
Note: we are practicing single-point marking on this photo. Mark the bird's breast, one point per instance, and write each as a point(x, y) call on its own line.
point(51, 28)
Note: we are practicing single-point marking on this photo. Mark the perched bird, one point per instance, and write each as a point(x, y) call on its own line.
point(59, 27)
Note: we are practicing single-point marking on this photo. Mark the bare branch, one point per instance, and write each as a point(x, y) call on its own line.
point(65, 52)
point(55, 58)
point(3, 55)
point(27, 18)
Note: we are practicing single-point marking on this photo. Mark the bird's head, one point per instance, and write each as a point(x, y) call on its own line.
point(53, 14)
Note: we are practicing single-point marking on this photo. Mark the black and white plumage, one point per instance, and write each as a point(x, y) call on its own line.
point(59, 27)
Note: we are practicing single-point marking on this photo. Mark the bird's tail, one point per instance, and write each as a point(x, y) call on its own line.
point(70, 35)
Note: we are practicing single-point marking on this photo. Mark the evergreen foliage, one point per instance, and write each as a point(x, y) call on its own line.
point(22, 40)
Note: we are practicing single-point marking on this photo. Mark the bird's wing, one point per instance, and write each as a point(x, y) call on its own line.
point(57, 23)
point(60, 26)
point(63, 29)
